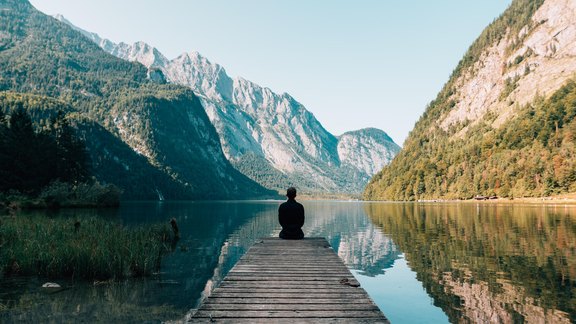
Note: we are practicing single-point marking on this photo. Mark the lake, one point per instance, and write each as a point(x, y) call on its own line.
point(420, 262)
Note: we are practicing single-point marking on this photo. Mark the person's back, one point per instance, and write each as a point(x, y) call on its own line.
point(291, 217)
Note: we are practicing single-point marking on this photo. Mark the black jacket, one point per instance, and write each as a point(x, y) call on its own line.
point(291, 217)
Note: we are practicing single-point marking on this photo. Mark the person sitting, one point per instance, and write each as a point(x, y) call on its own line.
point(291, 217)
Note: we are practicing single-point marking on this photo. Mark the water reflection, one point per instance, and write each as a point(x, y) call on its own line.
point(482, 263)
point(489, 263)
point(214, 235)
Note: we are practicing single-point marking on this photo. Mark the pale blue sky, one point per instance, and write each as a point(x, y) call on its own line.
point(354, 64)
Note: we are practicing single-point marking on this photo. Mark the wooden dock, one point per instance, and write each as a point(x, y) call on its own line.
point(289, 281)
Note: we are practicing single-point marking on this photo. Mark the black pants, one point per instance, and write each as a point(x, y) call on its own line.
point(292, 234)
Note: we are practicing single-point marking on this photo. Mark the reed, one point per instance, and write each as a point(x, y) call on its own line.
point(90, 248)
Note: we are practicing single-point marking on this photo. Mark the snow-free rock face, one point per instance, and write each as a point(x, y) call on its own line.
point(545, 60)
point(367, 149)
point(253, 121)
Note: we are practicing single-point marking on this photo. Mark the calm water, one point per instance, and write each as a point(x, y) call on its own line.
point(421, 263)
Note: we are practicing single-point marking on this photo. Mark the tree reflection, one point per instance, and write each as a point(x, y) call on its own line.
point(489, 263)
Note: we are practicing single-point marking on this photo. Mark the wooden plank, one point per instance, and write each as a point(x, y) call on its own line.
point(295, 295)
point(288, 278)
point(285, 289)
point(264, 289)
point(279, 285)
point(259, 300)
point(303, 275)
point(285, 281)
point(290, 307)
point(302, 320)
point(288, 314)
point(291, 271)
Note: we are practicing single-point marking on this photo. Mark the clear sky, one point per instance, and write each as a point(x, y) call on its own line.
point(353, 63)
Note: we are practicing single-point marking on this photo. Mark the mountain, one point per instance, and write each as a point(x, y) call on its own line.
point(504, 122)
point(152, 139)
point(269, 137)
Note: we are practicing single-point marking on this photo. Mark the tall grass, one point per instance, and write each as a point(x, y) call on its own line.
point(93, 248)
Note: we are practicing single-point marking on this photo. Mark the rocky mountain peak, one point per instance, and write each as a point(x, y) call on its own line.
point(368, 149)
point(197, 72)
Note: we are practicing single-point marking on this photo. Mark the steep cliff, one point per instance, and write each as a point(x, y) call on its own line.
point(504, 122)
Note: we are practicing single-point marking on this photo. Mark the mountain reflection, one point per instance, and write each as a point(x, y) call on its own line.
point(360, 244)
point(489, 263)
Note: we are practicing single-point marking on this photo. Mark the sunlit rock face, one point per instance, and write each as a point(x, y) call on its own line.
point(274, 129)
point(368, 149)
point(480, 304)
point(543, 62)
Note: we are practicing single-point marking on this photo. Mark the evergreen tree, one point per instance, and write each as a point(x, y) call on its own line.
point(28, 157)
point(4, 158)
point(71, 158)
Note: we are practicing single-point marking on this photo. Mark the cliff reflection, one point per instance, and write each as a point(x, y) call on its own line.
point(360, 244)
point(489, 263)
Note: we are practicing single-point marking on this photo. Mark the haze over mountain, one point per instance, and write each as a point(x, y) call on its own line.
point(269, 137)
point(151, 139)
point(504, 123)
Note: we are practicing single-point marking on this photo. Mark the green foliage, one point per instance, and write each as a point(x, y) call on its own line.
point(531, 155)
point(71, 158)
point(32, 159)
point(92, 249)
point(509, 85)
point(63, 194)
point(259, 170)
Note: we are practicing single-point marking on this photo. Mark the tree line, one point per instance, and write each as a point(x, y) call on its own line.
point(31, 159)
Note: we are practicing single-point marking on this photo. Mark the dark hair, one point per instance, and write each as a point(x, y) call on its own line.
point(291, 192)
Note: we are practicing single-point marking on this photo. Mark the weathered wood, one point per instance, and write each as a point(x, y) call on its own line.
point(286, 278)
point(294, 295)
point(301, 320)
point(265, 289)
point(291, 281)
point(258, 290)
point(214, 314)
point(290, 307)
point(259, 300)
point(279, 285)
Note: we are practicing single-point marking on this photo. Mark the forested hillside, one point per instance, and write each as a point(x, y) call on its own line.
point(504, 123)
point(151, 139)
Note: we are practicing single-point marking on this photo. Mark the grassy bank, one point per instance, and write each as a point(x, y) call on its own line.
point(90, 248)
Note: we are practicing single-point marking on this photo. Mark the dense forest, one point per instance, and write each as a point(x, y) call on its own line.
point(149, 138)
point(45, 159)
point(31, 159)
point(532, 154)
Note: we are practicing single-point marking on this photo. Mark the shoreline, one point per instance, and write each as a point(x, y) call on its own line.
point(563, 199)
